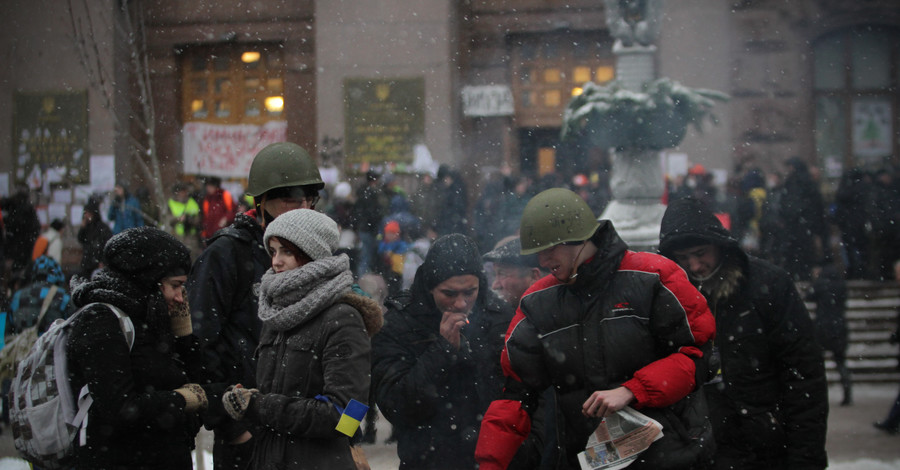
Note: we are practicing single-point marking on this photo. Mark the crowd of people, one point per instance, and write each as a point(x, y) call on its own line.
point(785, 218)
point(266, 318)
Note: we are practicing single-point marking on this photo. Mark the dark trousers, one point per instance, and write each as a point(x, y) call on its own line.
point(232, 457)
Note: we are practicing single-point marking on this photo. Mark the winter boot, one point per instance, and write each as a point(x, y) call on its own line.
point(846, 384)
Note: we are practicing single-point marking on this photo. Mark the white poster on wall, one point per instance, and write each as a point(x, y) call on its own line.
point(57, 210)
point(103, 172)
point(676, 164)
point(227, 150)
point(487, 100)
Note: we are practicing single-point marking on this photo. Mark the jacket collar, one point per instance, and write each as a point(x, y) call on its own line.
point(603, 265)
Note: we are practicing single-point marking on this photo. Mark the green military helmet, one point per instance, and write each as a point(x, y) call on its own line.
point(555, 216)
point(281, 165)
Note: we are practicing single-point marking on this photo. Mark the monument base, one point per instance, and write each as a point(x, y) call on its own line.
point(637, 224)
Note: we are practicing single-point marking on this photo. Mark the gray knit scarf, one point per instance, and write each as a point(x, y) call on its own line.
point(289, 298)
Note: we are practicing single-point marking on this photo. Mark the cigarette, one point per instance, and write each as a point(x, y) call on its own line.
point(467, 321)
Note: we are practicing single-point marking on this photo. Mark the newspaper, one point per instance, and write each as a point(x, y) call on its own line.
point(619, 439)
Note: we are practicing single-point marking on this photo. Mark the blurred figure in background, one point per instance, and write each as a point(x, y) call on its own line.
point(885, 215)
point(22, 228)
point(218, 207)
point(426, 201)
point(891, 423)
point(829, 292)
point(802, 212)
point(371, 205)
point(392, 253)
point(185, 214)
point(45, 278)
point(50, 242)
point(453, 215)
point(851, 216)
point(514, 273)
point(92, 236)
point(340, 209)
point(124, 210)
point(149, 209)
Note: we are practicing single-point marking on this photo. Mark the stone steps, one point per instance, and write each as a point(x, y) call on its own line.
point(871, 318)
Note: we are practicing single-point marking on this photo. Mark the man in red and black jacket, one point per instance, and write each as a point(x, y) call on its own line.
point(608, 328)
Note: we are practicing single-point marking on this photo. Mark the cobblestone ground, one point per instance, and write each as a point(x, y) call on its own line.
point(853, 444)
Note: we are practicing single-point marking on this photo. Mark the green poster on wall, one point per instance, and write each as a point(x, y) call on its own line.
point(384, 119)
point(50, 136)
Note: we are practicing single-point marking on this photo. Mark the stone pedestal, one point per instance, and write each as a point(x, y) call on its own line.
point(635, 65)
point(637, 187)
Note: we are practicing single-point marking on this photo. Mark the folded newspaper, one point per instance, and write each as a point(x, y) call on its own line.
point(619, 440)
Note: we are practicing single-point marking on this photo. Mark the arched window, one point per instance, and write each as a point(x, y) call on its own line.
point(856, 82)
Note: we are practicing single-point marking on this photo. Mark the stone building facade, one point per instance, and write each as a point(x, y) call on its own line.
point(490, 78)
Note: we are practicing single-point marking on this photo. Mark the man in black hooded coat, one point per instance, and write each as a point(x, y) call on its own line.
point(768, 400)
point(433, 391)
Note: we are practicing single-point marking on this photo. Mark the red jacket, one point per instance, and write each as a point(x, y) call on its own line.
point(630, 319)
point(216, 207)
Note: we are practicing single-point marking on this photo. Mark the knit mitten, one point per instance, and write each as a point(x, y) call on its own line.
point(237, 400)
point(194, 397)
point(180, 319)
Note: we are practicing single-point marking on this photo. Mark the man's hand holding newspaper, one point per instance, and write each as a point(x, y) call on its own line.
point(619, 439)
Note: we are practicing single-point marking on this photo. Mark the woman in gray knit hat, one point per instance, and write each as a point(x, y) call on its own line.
point(313, 350)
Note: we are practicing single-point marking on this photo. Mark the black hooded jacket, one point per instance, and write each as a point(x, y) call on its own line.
point(770, 408)
point(223, 290)
point(432, 394)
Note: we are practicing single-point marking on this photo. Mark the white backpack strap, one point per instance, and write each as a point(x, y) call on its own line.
point(51, 293)
point(124, 323)
point(84, 403)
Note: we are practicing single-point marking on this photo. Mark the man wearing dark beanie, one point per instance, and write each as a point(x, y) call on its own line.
point(148, 398)
point(436, 361)
point(768, 398)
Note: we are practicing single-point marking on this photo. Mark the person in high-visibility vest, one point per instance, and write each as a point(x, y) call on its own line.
point(185, 211)
point(185, 217)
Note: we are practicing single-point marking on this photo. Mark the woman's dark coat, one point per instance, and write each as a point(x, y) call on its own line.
point(328, 355)
point(136, 420)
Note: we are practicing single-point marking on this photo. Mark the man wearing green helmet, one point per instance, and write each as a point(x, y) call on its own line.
point(608, 328)
point(224, 281)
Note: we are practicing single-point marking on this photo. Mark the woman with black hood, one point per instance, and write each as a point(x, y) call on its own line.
point(146, 399)
point(437, 360)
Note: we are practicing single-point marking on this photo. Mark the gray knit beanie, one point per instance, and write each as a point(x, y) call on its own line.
point(312, 232)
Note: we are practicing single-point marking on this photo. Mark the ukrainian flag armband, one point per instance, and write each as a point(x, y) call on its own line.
point(351, 416)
